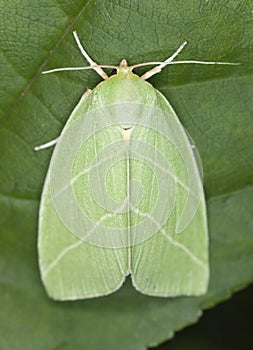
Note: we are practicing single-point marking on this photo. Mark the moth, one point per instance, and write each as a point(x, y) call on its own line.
point(123, 194)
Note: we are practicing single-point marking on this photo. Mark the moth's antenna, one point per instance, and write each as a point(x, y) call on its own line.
point(158, 69)
point(93, 65)
point(88, 58)
point(169, 60)
point(77, 68)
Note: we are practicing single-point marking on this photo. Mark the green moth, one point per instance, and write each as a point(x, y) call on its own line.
point(123, 195)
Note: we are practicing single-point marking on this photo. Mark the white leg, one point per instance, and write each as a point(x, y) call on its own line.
point(93, 65)
point(87, 92)
point(88, 58)
point(169, 60)
point(46, 145)
point(158, 69)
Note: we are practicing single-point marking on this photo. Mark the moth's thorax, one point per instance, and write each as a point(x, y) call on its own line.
point(123, 68)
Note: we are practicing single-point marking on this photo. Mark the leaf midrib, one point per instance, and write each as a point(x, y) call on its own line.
point(27, 87)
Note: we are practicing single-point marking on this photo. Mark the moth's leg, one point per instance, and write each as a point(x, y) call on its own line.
point(46, 145)
point(158, 69)
point(93, 65)
point(99, 70)
point(169, 60)
point(87, 92)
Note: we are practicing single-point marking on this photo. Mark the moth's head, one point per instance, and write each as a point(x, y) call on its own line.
point(123, 68)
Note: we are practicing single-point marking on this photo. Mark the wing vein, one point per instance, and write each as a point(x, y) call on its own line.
point(170, 239)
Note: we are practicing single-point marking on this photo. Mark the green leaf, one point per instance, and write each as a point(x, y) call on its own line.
point(213, 102)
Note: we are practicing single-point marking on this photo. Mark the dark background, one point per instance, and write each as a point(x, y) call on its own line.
point(229, 326)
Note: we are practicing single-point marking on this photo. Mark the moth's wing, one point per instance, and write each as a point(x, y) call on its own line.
point(71, 266)
point(174, 260)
